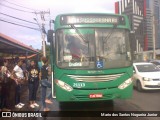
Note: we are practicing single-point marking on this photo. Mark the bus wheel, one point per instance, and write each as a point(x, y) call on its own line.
point(139, 86)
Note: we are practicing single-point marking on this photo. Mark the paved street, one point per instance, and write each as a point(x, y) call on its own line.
point(141, 101)
point(146, 101)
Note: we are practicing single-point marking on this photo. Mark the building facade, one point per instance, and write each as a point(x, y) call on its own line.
point(153, 26)
point(144, 16)
point(134, 9)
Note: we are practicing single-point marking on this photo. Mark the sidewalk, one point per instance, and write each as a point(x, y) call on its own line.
point(25, 100)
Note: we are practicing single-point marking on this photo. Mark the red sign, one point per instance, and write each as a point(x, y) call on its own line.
point(96, 95)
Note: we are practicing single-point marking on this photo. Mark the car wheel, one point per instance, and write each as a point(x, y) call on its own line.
point(139, 86)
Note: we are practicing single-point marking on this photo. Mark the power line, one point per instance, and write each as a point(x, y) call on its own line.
point(19, 5)
point(19, 25)
point(43, 32)
point(18, 18)
point(19, 22)
point(15, 8)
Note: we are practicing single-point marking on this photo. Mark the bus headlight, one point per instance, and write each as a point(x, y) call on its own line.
point(125, 84)
point(64, 85)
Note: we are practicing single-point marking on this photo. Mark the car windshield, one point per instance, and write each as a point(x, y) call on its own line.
point(95, 51)
point(147, 68)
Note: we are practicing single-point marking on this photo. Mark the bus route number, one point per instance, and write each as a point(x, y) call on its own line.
point(78, 85)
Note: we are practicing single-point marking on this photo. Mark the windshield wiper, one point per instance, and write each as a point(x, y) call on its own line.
point(109, 34)
point(78, 32)
point(104, 40)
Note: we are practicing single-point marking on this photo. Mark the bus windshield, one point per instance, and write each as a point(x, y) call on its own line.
point(110, 50)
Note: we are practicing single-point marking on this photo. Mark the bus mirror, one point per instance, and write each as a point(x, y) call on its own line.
point(50, 35)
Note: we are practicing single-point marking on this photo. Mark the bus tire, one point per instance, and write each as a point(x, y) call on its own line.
point(139, 86)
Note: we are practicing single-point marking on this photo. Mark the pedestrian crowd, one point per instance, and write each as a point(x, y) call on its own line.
point(20, 72)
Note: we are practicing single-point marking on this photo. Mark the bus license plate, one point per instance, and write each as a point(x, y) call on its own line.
point(95, 96)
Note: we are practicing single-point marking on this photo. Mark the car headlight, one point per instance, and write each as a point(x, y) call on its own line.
point(125, 84)
point(147, 79)
point(64, 85)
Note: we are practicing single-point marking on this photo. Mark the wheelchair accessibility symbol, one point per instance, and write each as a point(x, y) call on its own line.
point(99, 64)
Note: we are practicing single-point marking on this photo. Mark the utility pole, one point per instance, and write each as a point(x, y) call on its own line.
point(154, 38)
point(42, 28)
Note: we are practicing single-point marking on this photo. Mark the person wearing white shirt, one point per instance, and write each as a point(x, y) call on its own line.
point(18, 76)
point(19, 72)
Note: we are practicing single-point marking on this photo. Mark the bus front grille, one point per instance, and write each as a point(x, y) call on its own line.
point(97, 78)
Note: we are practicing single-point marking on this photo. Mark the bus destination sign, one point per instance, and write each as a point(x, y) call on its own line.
point(91, 19)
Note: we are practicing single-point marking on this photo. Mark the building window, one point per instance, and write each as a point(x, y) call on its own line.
point(147, 2)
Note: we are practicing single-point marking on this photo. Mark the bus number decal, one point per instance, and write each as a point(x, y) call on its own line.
point(78, 85)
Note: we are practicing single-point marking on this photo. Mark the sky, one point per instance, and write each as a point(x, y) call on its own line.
point(25, 10)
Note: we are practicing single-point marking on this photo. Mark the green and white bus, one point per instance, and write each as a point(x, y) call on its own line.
point(91, 57)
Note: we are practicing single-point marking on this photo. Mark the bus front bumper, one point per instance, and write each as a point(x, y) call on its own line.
point(93, 95)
